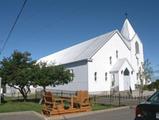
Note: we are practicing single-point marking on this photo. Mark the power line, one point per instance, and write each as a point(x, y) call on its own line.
point(13, 26)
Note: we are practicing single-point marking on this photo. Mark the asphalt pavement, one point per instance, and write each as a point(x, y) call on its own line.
point(121, 114)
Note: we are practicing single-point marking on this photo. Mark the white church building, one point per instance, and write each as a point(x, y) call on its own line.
point(107, 62)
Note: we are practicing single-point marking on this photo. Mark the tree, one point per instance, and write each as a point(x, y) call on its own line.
point(145, 74)
point(51, 75)
point(20, 72)
point(16, 71)
point(153, 85)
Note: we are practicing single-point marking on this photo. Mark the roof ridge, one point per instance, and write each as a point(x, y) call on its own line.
point(111, 34)
point(81, 51)
point(93, 41)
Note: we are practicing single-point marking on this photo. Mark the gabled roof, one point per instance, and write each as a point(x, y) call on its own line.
point(127, 30)
point(81, 51)
point(119, 64)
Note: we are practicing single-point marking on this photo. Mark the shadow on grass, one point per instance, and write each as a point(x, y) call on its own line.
point(21, 100)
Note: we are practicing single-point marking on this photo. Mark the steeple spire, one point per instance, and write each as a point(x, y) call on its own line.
point(127, 30)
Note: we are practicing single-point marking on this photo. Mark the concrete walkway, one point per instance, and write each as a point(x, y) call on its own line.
point(90, 115)
point(27, 115)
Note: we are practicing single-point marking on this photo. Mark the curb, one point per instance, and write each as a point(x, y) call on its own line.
point(73, 115)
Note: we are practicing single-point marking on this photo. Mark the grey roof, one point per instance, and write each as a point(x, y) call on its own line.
point(119, 64)
point(81, 51)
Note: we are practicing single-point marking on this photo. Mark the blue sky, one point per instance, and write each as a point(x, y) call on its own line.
point(47, 26)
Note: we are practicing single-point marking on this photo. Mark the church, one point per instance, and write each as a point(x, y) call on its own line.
point(107, 62)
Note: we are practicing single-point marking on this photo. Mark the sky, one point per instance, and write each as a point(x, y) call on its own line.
point(47, 26)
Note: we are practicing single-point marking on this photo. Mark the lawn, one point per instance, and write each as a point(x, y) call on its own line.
point(15, 106)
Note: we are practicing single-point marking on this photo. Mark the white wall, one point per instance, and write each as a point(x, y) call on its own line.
point(133, 56)
point(80, 80)
point(100, 63)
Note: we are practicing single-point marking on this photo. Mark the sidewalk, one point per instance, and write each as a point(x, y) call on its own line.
point(31, 115)
point(81, 114)
point(26, 115)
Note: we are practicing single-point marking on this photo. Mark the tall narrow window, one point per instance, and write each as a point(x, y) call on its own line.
point(113, 80)
point(95, 76)
point(136, 47)
point(110, 60)
point(117, 54)
point(71, 71)
point(106, 76)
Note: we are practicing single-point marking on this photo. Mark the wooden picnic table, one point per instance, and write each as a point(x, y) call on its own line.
point(69, 99)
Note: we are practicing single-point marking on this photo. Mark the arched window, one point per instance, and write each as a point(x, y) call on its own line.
point(136, 47)
point(126, 72)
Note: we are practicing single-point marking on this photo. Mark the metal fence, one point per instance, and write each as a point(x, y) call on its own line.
point(31, 96)
point(118, 100)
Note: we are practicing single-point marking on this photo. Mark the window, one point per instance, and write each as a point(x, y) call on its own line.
point(126, 72)
point(117, 54)
point(106, 76)
point(110, 60)
point(136, 47)
point(95, 76)
point(132, 72)
point(71, 71)
point(154, 98)
point(113, 80)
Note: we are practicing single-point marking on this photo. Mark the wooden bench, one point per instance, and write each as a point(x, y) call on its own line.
point(52, 105)
point(55, 106)
point(82, 101)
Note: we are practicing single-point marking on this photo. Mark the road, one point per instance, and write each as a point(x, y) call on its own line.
point(124, 114)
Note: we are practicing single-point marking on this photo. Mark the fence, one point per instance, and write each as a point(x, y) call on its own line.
point(118, 100)
point(17, 96)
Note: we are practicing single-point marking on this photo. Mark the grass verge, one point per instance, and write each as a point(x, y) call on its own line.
point(101, 107)
point(16, 106)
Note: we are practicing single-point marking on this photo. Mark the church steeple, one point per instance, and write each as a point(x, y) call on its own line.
point(127, 30)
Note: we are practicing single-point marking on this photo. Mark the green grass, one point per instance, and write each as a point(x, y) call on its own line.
point(15, 106)
point(101, 107)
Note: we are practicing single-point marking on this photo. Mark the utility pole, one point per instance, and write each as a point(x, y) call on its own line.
point(0, 90)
